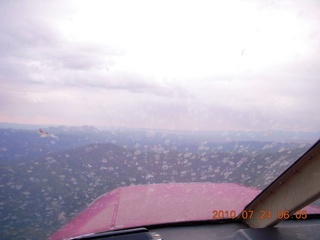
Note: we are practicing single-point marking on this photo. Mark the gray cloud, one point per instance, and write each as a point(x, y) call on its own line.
point(46, 77)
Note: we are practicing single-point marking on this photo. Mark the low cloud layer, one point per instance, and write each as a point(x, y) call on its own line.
point(190, 66)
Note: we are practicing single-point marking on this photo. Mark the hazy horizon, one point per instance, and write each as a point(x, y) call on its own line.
point(204, 135)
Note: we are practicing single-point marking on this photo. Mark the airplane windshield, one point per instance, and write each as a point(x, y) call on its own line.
point(202, 101)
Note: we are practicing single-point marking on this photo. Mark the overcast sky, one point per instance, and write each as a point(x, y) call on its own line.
point(192, 65)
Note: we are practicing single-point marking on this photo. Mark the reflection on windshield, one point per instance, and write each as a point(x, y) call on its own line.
point(315, 204)
point(45, 178)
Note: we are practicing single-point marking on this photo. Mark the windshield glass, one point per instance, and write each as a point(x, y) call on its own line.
point(97, 95)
